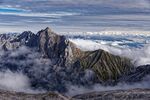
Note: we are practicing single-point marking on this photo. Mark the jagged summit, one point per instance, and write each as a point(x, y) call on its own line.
point(51, 44)
point(48, 29)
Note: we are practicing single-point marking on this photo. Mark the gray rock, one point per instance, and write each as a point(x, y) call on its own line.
point(11, 95)
point(134, 94)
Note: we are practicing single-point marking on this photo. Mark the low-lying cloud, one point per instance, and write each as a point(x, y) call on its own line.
point(14, 81)
point(35, 73)
point(75, 90)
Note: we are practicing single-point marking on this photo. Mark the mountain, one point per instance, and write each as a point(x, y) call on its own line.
point(52, 62)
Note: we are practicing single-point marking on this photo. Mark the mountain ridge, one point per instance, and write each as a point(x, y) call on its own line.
point(63, 62)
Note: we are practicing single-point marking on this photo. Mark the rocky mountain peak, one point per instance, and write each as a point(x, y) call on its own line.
point(64, 53)
point(45, 31)
point(48, 29)
point(51, 44)
point(25, 36)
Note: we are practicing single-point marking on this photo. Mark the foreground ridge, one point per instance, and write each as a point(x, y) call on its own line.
point(132, 94)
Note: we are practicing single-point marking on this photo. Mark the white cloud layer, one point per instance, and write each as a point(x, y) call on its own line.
point(14, 81)
point(75, 90)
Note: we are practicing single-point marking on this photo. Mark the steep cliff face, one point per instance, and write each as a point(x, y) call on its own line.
point(51, 44)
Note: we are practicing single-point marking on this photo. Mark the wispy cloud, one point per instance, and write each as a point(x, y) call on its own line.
point(13, 10)
point(80, 14)
point(30, 14)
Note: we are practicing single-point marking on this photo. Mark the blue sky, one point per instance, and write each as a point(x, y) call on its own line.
point(74, 15)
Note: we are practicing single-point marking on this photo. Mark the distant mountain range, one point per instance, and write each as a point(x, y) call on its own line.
point(51, 62)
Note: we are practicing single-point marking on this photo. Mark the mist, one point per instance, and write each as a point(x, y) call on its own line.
point(13, 81)
point(75, 90)
point(33, 73)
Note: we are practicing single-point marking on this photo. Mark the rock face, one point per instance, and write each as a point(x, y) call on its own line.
point(51, 45)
